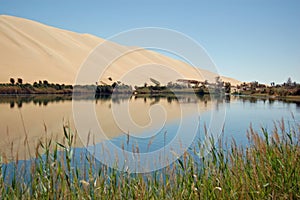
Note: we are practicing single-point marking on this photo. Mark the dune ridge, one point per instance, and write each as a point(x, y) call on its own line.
point(34, 51)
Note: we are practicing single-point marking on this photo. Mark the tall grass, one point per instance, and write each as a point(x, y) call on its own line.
point(267, 168)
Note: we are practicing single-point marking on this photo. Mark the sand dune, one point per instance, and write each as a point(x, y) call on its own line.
point(34, 51)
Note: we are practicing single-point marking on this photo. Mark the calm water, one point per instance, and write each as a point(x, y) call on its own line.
point(151, 123)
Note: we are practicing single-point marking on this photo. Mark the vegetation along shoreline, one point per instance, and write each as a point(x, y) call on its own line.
point(288, 90)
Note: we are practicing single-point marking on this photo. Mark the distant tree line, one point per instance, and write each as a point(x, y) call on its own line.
point(17, 86)
point(39, 84)
point(288, 88)
point(186, 86)
point(116, 87)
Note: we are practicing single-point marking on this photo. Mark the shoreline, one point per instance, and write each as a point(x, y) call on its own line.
point(56, 89)
point(153, 93)
point(272, 97)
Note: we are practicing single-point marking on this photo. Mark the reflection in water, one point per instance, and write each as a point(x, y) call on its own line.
point(39, 100)
point(271, 101)
point(32, 117)
point(298, 105)
point(44, 100)
point(227, 98)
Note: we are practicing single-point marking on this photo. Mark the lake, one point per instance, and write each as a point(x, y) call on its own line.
point(144, 125)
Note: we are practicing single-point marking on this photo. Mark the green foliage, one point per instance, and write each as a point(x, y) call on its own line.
point(12, 81)
point(116, 87)
point(40, 87)
point(227, 87)
point(20, 81)
point(288, 88)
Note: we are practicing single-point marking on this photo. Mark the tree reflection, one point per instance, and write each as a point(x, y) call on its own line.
point(45, 100)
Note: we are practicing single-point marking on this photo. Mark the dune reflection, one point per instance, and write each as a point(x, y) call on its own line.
point(27, 120)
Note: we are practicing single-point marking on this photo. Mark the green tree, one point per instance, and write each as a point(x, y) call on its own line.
point(254, 85)
point(45, 82)
point(12, 81)
point(170, 84)
point(273, 84)
point(20, 81)
point(114, 84)
point(227, 87)
point(289, 82)
point(219, 82)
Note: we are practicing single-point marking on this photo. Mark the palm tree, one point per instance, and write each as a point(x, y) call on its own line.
point(156, 82)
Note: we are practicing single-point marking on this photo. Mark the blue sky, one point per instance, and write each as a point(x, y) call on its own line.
point(250, 40)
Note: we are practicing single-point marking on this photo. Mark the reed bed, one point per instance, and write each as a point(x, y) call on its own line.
point(267, 168)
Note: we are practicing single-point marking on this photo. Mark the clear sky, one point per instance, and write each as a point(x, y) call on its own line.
point(250, 40)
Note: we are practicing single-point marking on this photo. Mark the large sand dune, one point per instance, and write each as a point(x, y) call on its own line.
point(34, 51)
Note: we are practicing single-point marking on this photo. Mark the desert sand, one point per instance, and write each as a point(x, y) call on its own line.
point(34, 51)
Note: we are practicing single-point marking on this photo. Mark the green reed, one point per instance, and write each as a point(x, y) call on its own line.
point(267, 168)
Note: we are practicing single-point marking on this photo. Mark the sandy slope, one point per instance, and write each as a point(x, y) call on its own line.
point(34, 51)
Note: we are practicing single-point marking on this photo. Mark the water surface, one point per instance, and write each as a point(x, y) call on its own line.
point(150, 122)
